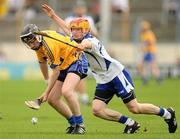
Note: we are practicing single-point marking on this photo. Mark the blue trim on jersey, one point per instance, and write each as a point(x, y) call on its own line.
point(125, 72)
point(88, 36)
point(61, 33)
point(107, 63)
point(71, 38)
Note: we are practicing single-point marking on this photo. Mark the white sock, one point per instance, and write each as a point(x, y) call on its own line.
point(129, 122)
point(167, 115)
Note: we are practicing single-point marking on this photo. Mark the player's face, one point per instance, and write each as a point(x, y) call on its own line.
point(34, 43)
point(77, 33)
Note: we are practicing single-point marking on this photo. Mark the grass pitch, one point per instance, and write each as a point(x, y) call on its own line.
point(15, 117)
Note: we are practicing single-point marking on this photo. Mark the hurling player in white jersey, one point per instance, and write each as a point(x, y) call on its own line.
point(111, 78)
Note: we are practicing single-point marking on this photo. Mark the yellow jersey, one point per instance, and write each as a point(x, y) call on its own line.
point(149, 41)
point(57, 53)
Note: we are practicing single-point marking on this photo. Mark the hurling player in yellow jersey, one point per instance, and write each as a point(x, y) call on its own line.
point(149, 50)
point(68, 66)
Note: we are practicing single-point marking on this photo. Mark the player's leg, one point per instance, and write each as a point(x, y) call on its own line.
point(103, 94)
point(147, 108)
point(69, 85)
point(128, 96)
point(82, 92)
point(54, 100)
point(146, 68)
point(100, 110)
point(142, 108)
point(155, 71)
point(68, 88)
point(75, 73)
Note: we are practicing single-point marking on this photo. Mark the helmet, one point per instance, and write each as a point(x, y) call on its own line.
point(80, 23)
point(27, 35)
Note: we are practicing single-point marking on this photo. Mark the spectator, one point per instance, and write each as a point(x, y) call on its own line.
point(122, 6)
point(149, 51)
point(3, 8)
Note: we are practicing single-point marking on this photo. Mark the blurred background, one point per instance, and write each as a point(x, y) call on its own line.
point(117, 23)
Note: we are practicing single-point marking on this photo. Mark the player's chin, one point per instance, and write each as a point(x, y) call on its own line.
point(36, 47)
point(78, 37)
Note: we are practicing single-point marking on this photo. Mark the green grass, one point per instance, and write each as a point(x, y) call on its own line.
point(15, 122)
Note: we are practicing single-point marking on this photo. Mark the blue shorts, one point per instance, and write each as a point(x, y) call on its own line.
point(79, 67)
point(121, 85)
point(148, 57)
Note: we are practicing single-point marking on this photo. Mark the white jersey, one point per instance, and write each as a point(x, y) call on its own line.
point(103, 67)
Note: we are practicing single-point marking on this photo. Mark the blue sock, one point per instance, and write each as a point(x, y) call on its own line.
point(78, 119)
point(123, 119)
point(71, 120)
point(161, 112)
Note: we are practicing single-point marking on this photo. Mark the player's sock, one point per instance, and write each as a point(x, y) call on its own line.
point(79, 120)
point(164, 113)
point(125, 120)
point(72, 121)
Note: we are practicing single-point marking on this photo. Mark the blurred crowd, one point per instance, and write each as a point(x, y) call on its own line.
point(24, 11)
point(125, 17)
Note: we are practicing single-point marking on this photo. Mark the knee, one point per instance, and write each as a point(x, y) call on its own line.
point(134, 110)
point(96, 111)
point(66, 92)
point(51, 101)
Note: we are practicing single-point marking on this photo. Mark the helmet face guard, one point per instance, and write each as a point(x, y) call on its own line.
point(28, 38)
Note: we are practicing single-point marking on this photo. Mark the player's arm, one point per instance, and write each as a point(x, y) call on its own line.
point(50, 12)
point(85, 44)
point(52, 80)
point(44, 70)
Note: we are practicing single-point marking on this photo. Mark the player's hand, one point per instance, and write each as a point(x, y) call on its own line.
point(43, 97)
point(80, 47)
point(48, 10)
